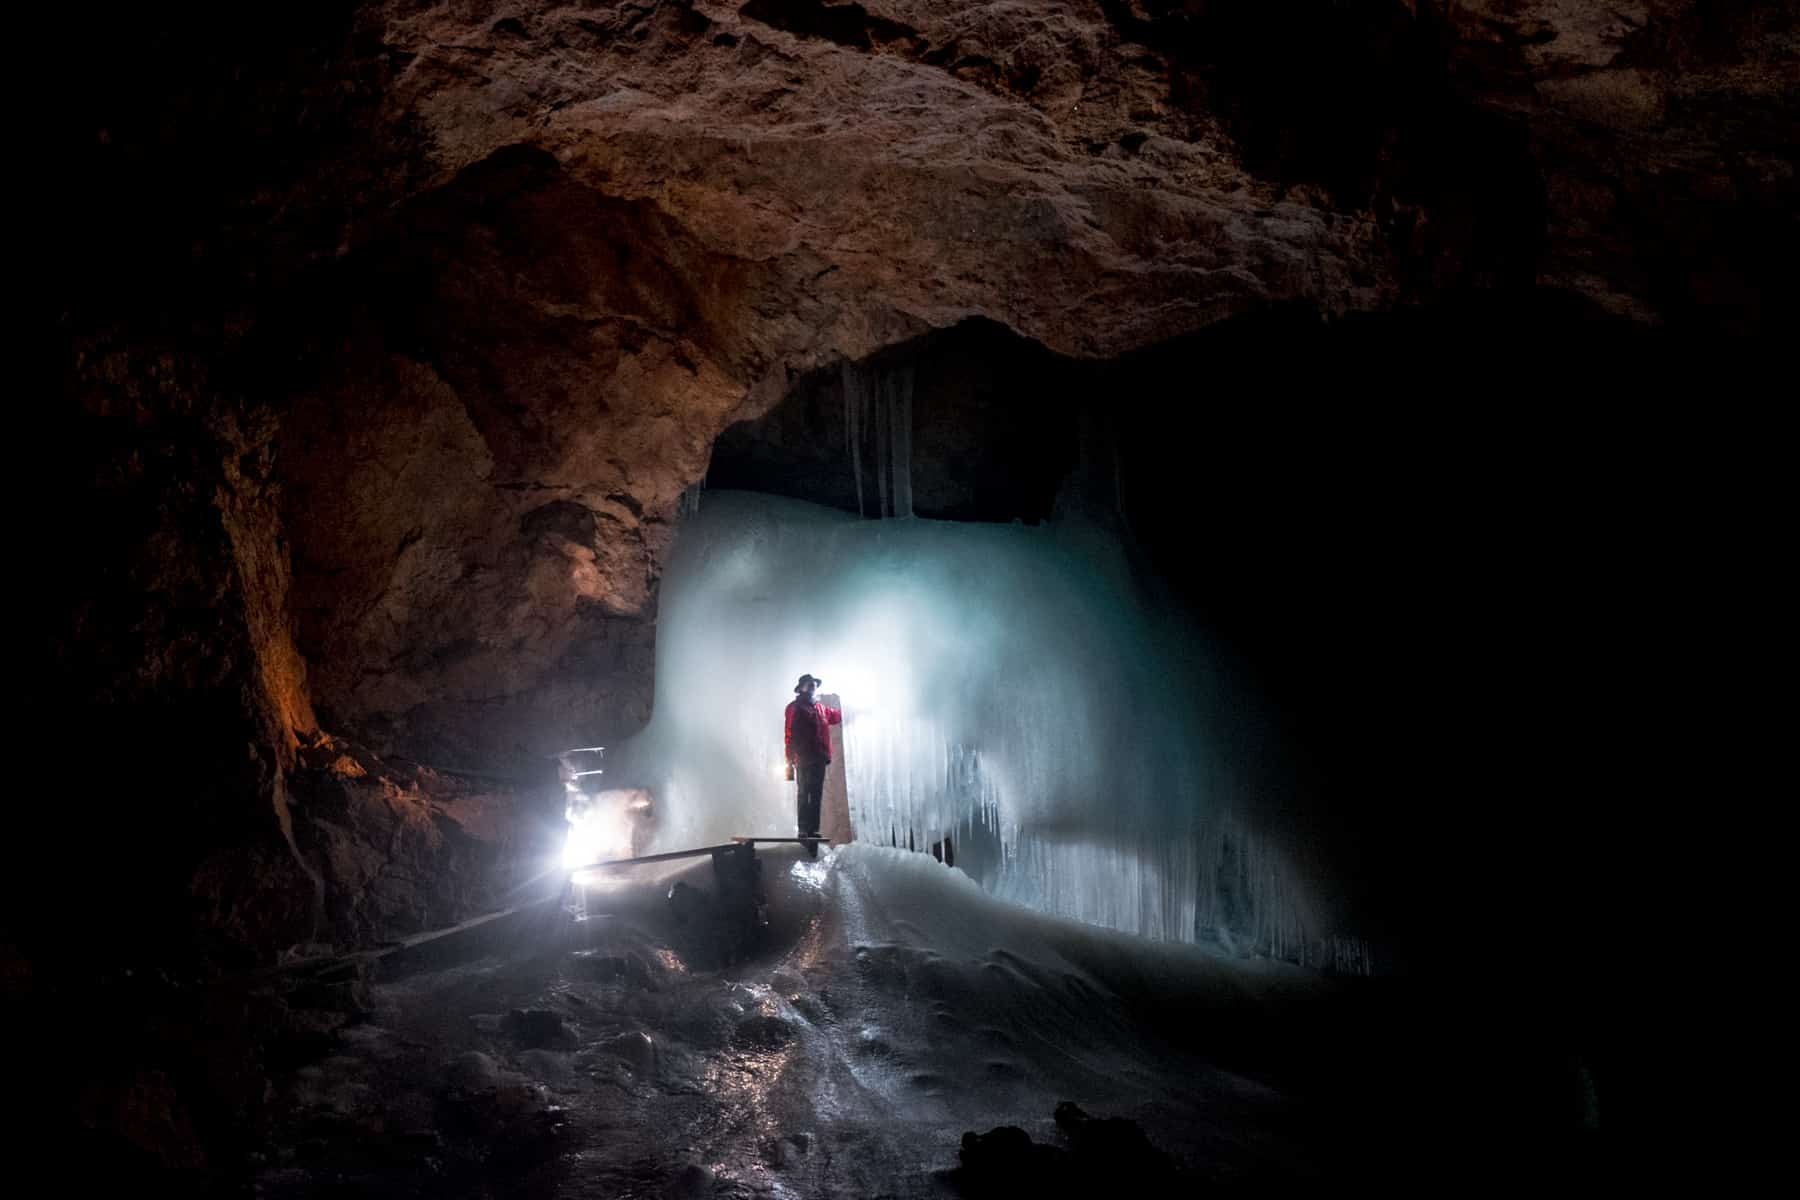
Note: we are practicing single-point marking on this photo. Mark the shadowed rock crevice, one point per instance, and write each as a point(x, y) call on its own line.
point(1362, 100)
point(849, 25)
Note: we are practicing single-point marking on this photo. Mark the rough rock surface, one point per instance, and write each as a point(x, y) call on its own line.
point(1662, 130)
point(401, 850)
point(174, 700)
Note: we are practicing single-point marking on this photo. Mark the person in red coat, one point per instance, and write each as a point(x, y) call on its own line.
point(807, 735)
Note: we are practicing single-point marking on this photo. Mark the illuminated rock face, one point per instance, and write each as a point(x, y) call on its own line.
point(420, 319)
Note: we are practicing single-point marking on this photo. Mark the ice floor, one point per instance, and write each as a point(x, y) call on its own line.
point(892, 1006)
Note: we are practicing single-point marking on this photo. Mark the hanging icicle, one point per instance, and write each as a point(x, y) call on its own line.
point(854, 423)
point(688, 503)
point(878, 410)
point(899, 402)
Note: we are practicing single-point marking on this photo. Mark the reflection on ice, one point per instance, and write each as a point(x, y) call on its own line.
point(809, 874)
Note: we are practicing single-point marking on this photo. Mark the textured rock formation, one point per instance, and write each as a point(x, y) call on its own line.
point(1662, 131)
point(405, 849)
point(174, 699)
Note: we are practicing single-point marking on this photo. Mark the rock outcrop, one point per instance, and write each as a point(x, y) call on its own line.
point(404, 849)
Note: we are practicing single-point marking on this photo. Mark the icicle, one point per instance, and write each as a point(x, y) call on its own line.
point(901, 398)
point(853, 424)
point(688, 503)
point(883, 431)
point(1118, 471)
point(878, 410)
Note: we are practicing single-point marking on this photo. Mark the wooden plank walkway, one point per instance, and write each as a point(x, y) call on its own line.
point(472, 927)
point(670, 856)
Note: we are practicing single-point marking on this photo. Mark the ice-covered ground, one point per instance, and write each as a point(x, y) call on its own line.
point(920, 1007)
point(893, 1005)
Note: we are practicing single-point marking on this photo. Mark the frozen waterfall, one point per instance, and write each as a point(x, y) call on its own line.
point(1005, 686)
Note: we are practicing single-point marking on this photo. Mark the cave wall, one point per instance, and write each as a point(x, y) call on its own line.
point(390, 335)
point(174, 698)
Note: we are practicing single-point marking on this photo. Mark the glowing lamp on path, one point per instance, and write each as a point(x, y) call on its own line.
point(597, 835)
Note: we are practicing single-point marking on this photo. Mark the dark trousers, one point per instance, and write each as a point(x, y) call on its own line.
point(811, 778)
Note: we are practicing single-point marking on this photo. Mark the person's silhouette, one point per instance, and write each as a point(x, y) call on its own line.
point(807, 736)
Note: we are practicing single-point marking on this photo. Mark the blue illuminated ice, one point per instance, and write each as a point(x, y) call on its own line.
point(1010, 687)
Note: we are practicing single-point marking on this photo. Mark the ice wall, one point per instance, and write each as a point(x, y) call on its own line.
point(1003, 685)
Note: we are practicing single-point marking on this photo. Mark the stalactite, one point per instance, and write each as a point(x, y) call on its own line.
point(853, 427)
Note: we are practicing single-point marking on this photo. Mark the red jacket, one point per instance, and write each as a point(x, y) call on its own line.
point(807, 732)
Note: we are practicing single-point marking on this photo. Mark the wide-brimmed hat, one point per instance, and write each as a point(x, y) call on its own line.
point(806, 679)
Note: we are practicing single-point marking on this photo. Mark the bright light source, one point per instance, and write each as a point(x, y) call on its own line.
point(597, 835)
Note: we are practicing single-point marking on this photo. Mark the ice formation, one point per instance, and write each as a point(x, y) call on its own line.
point(878, 411)
point(1005, 686)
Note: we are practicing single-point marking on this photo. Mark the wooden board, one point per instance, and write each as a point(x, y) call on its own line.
point(650, 858)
